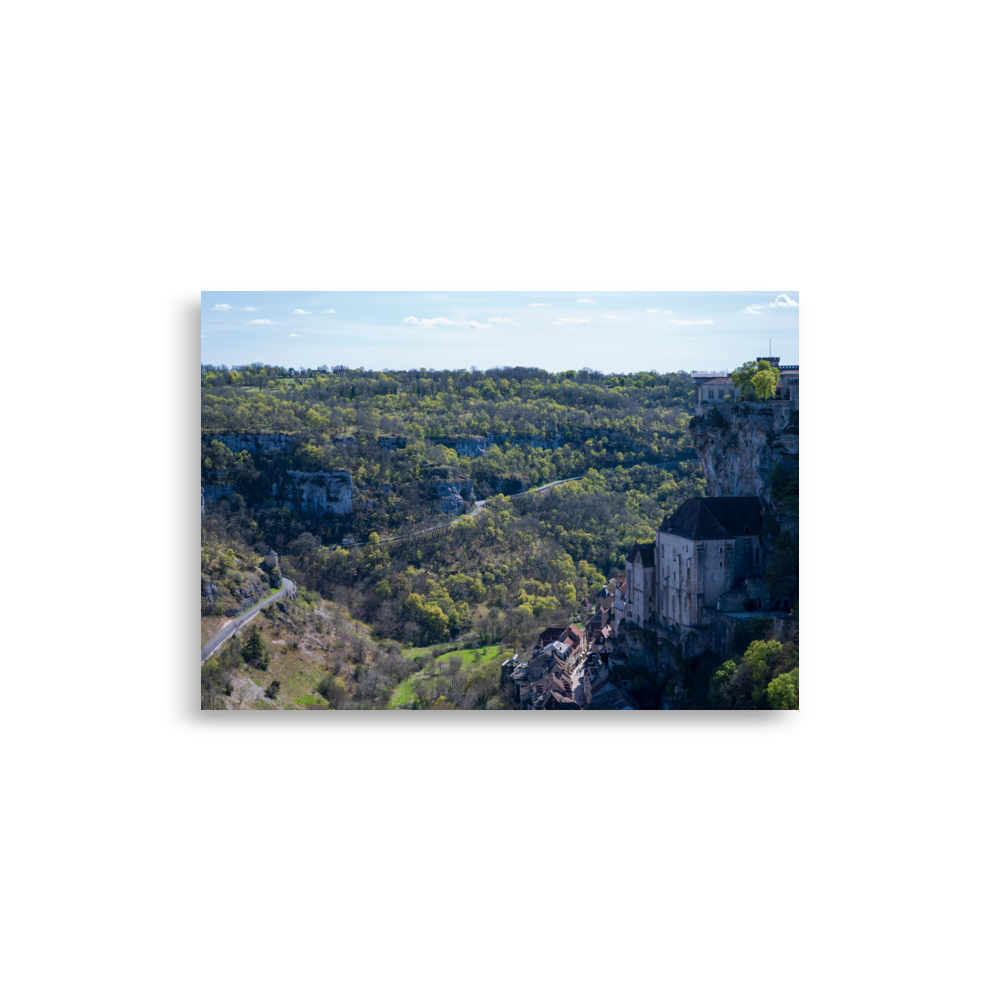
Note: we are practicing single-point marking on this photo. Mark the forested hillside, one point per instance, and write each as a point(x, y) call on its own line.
point(492, 577)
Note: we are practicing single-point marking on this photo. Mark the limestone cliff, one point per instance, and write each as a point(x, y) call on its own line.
point(741, 444)
point(326, 492)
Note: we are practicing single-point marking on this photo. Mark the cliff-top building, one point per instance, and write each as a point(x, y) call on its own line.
point(721, 387)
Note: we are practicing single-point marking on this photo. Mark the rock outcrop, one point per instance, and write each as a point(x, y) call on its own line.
point(253, 443)
point(329, 492)
point(740, 444)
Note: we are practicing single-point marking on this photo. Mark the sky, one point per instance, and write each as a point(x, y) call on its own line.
point(607, 331)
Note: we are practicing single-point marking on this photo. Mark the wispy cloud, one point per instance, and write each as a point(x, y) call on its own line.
point(260, 322)
point(293, 335)
point(300, 312)
point(437, 321)
point(668, 311)
point(693, 322)
point(569, 321)
point(588, 302)
point(532, 305)
point(327, 311)
point(480, 326)
point(225, 307)
point(781, 302)
point(501, 319)
point(611, 317)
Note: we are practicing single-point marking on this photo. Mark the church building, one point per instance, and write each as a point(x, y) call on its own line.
point(708, 547)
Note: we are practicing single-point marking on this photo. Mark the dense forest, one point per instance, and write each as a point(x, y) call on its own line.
point(483, 580)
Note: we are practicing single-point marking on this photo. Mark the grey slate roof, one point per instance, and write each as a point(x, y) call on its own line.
point(644, 554)
point(716, 517)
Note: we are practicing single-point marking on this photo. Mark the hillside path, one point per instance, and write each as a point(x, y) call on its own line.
point(231, 628)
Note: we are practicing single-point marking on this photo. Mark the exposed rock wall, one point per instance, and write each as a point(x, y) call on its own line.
point(329, 492)
point(253, 443)
point(739, 444)
point(452, 495)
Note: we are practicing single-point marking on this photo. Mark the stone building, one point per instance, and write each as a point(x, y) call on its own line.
point(721, 388)
point(640, 584)
point(271, 559)
point(709, 548)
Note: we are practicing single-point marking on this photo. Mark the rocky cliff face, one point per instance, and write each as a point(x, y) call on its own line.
point(329, 492)
point(253, 443)
point(451, 495)
point(740, 444)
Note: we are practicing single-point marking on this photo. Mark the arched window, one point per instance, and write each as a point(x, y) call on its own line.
point(756, 556)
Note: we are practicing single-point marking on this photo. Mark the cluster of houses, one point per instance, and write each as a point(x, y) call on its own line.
point(572, 668)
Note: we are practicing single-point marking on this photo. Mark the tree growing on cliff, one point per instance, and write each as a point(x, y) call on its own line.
point(756, 379)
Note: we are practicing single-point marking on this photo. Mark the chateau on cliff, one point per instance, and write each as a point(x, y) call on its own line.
point(705, 573)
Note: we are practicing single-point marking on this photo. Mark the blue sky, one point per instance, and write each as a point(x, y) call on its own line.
point(609, 331)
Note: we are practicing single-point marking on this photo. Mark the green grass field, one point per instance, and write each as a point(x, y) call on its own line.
point(404, 693)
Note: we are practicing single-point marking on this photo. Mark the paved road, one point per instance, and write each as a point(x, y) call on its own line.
point(229, 629)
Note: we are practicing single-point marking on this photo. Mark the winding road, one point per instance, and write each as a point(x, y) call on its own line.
point(288, 589)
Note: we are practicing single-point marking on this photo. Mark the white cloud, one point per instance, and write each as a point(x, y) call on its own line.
point(300, 312)
point(224, 307)
point(293, 335)
point(611, 317)
point(260, 322)
point(328, 310)
point(589, 302)
point(781, 302)
point(480, 326)
point(532, 305)
point(569, 321)
point(500, 319)
point(660, 310)
point(692, 322)
point(426, 323)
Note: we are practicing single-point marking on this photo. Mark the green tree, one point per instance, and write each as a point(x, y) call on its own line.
point(746, 377)
point(783, 691)
point(765, 383)
point(435, 620)
point(254, 648)
point(720, 679)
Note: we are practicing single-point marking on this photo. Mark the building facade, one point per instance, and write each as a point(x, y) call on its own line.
point(640, 584)
point(706, 551)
